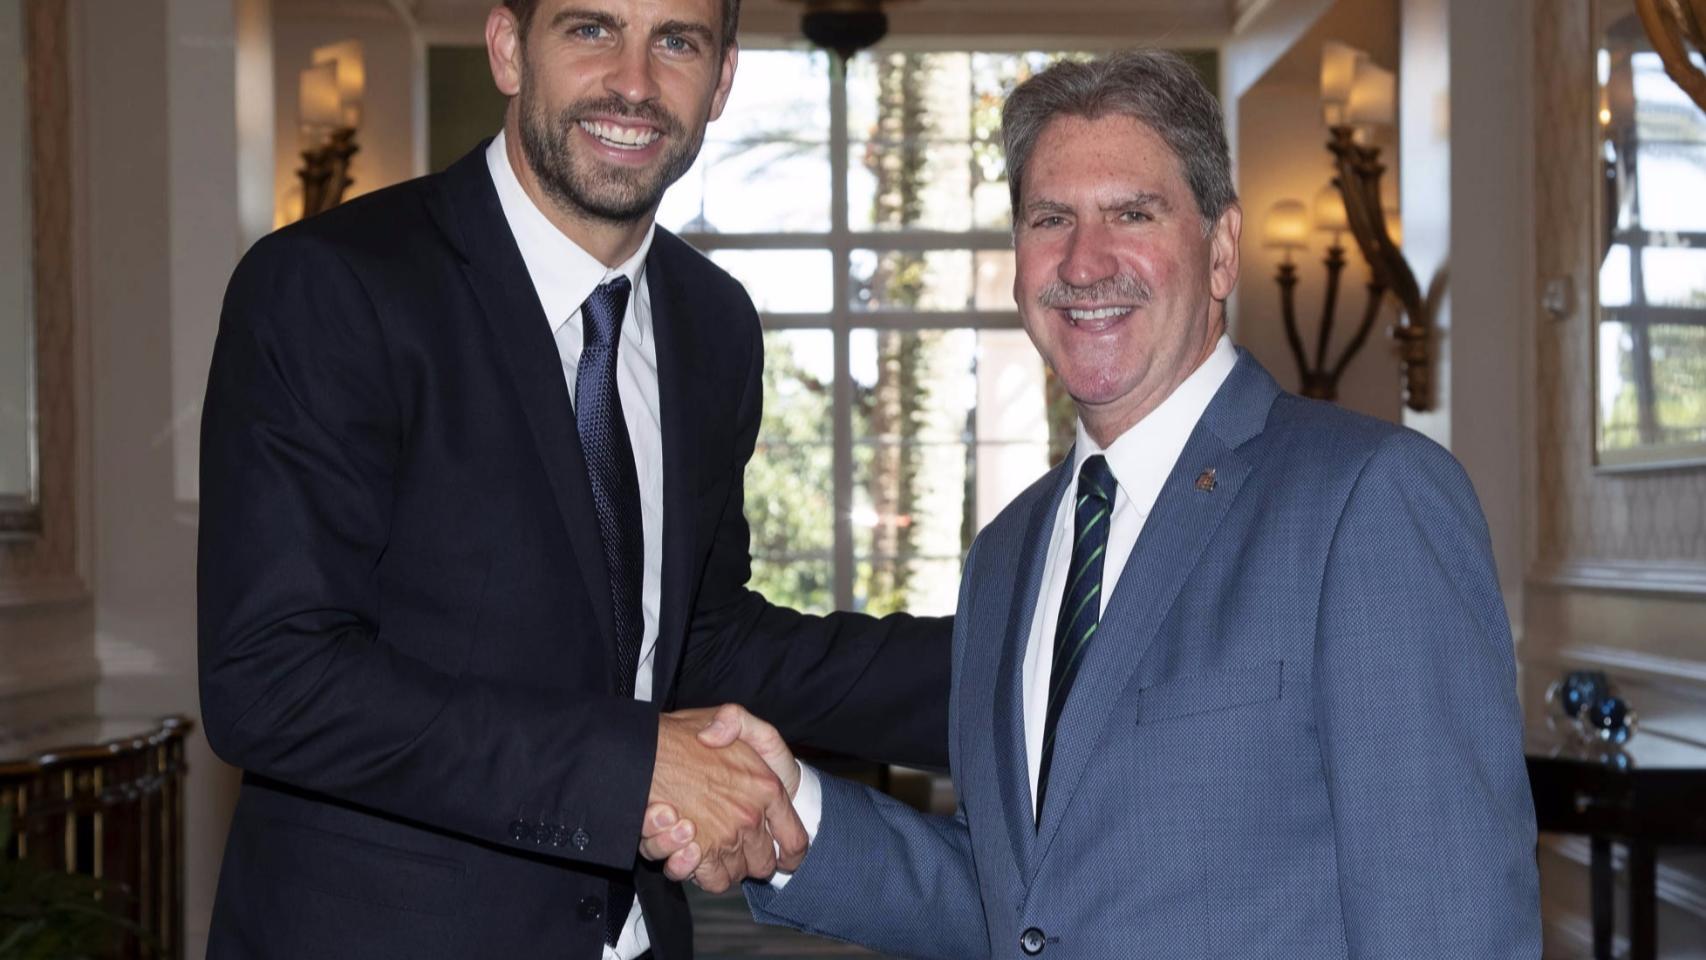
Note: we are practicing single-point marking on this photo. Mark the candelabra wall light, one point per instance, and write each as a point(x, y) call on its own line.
point(329, 99)
point(1358, 96)
point(1287, 228)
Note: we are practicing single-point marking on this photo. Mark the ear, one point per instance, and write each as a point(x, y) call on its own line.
point(1223, 252)
point(503, 50)
point(726, 81)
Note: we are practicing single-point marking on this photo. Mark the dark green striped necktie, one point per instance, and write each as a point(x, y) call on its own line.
point(1081, 605)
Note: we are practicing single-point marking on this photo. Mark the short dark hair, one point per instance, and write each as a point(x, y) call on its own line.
point(1160, 90)
point(524, 10)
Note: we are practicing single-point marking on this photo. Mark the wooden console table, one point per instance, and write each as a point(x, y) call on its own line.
point(1647, 795)
point(104, 797)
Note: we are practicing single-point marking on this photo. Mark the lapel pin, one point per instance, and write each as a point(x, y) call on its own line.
point(1206, 482)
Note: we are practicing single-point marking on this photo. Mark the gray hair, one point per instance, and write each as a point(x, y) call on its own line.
point(1158, 89)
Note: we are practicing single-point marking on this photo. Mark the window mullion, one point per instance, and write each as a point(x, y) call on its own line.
point(842, 323)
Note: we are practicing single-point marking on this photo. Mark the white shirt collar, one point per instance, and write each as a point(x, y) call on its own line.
point(1143, 456)
point(564, 275)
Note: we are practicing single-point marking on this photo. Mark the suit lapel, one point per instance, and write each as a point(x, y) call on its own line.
point(1182, 523)
point(499, 277)
point(679, 405)
point(1008, 704)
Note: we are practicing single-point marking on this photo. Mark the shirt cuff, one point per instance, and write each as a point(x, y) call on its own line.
point(808, 804)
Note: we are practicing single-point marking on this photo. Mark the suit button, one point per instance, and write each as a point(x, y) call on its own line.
point(560, 836)
point(519, 830)
point(542, 833)
point(580, 839)
point(1031, 941)
point(590, 909)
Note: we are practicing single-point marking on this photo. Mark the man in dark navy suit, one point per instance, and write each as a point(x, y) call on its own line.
point(472, 522)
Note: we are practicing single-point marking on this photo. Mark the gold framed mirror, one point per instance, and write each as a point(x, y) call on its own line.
point(1649, 292)
point(40, 559)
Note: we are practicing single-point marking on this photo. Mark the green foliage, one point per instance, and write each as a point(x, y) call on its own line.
point(51, 915)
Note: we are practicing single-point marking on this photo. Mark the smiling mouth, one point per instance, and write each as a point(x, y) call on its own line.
point(621, 137)
point(1096, 316)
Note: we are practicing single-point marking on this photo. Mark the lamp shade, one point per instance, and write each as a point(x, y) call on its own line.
point(351, 72)
point(1330, 214)
point(1374, 97)
point(318, 96)
point(1287, 225)
point(1338, 73)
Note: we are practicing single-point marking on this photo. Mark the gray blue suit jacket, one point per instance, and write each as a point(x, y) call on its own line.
point(1296, 734)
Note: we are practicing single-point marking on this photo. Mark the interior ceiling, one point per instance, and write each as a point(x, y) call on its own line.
point(1175, 23)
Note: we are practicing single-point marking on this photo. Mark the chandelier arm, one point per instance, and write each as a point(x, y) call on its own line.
point(1376, 297)
point(1330, 303)
point(1287, 280)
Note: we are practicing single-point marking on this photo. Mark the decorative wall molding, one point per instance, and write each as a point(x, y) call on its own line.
point(1629, 663)
point(67, 667)
point(1623, 576)
point(43, 592)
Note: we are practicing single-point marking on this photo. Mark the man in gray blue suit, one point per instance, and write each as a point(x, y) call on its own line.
point(1234, 680)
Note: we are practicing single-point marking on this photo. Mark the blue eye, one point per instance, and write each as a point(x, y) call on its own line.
point(587, 31)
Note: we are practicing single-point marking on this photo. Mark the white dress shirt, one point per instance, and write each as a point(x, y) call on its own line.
point(564, 276)
point(1140, 460)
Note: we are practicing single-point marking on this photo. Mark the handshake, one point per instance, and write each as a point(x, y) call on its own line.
point(721, 803)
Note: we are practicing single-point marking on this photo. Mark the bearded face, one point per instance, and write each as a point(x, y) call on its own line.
point(614, 97)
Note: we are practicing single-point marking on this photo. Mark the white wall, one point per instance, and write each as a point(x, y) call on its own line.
point(1465, 114)
point(161, 235)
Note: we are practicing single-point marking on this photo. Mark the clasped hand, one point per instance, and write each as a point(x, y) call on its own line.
point(721, 808)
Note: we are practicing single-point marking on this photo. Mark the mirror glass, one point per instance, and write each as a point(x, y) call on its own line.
point(17, 316)
point(1650, 325)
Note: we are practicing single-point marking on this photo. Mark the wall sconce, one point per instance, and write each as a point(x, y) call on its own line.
point(1288, 226)
point(1672, 25)
point(1356, 97)
point(329, 100)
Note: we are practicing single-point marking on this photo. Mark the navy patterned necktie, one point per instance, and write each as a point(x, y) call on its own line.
point(616, 500)
point(1081, 604)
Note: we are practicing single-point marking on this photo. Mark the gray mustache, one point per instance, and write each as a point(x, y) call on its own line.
point(1119, 288)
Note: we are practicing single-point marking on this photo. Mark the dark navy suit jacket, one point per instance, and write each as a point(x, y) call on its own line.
point(405, 624)
point(1295, 735)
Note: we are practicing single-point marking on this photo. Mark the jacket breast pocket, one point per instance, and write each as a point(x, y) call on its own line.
point(1198, 694)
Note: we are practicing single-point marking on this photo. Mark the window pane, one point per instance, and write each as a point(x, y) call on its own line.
point(765, 163)
point(925, 134)
point(1670, 183)
point(782, 281)
point(922, 185)
point(1679, 383)
point(759, 187)
point(949, 425)
point(931, 280)
point(790, 498)
point(1675, 276)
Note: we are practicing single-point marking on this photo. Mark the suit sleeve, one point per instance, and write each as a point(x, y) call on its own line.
point(1417, 711)
point(883, 875)
point(846, 682)
point(300, 680)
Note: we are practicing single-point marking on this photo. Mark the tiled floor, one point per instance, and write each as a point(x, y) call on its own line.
point(724, 930)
